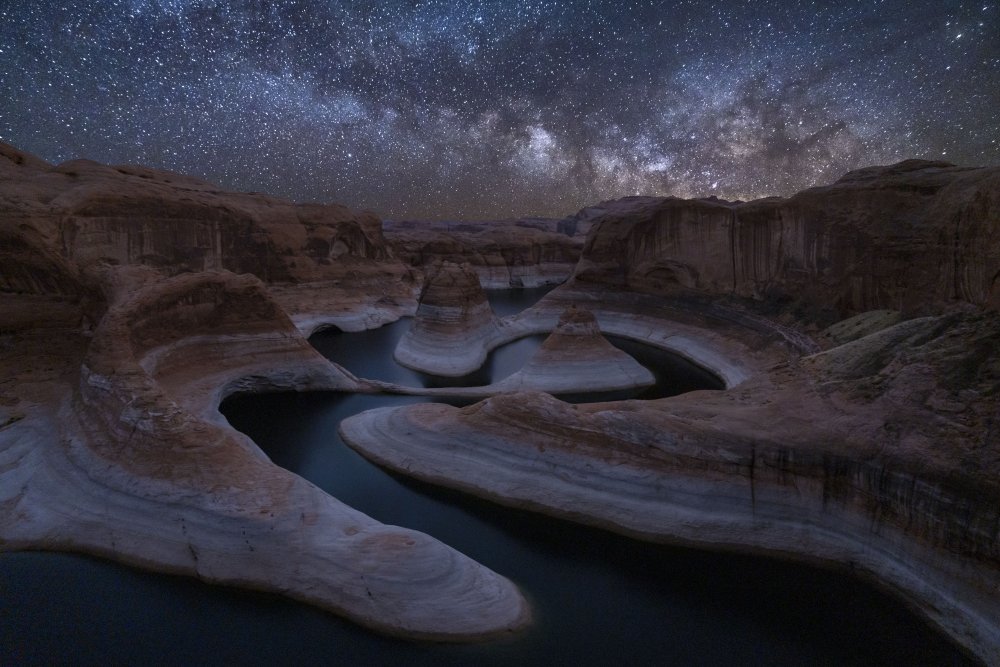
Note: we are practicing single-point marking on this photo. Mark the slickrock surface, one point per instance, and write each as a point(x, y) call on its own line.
point(64, 221)
point(503, 253)
point(865, 454)
point(454, 328)
point(574, 359)
point(577, 358)
point(139, 466)
point(856, 327)
point(113, 366)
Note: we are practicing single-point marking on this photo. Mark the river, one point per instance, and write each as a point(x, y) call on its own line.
point(598, 598)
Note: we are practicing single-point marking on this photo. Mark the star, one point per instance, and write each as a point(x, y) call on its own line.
point(501, 108)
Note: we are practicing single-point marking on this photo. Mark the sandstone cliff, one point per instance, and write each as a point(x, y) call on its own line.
point(914, 236)
point(136, 464)
point(63, 223)
point(871, 444)
point(504, 253)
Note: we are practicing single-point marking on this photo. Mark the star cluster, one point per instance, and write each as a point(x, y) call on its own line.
point(496, 108)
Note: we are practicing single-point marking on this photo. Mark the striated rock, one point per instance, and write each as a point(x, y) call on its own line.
point(122, 332)
point(454, 327)
point(843, 457)
point(139, 466)
point(504, 253)
point(867, 441)
point(879, 453)
point(576, 358)
point(913, 237)
point(80, 216)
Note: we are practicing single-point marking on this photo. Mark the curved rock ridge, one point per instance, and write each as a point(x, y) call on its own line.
point(914, 236)
point(868, 441)
point(872, 454)
point(143, 469)
point(454, 328)
point(576, 358)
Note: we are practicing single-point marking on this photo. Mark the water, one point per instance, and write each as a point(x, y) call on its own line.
point(598, 598)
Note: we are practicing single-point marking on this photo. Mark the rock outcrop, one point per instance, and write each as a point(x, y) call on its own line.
point(504, 253)
point(878, 454)
point(81, 216)
point(576, 358)
point(914, 236)
point(143, 469)
point(868, 441)
point(122, 332)
point(454, 328)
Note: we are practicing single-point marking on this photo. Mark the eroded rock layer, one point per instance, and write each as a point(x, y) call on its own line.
point(503, 253)
point(454, 328)
point(143, 469)
point(860, 455)
point(577, 358)
point(912, 236)
point(123, 331)
point(63, 223)
point(868, 441)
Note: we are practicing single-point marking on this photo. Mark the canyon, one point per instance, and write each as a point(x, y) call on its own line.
point(854, 328)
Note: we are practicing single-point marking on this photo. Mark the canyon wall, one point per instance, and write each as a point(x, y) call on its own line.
point(504, 253)
point(915, 236)
point(63, 224)
point(125, 323)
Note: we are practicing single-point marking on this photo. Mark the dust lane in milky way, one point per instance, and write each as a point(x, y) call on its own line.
point(488, 109)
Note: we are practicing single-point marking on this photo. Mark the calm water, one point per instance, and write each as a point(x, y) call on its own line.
point(598, 598)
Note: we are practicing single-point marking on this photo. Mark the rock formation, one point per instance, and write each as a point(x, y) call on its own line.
point(73, 219)
point(504, 253)
point(879, 452)
point(913, 236)
point(854, 326)
point(576, 358)
point(454, 327)
point(115, 362)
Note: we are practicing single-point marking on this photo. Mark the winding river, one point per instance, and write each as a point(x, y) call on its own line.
point(597, 598)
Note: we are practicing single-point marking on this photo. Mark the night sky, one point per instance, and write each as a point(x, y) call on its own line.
point(495, 109)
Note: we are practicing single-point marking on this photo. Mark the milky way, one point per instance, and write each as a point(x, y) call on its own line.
point(493, 109)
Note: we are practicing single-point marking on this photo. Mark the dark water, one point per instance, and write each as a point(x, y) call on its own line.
point(674, 375)
point(598, 598)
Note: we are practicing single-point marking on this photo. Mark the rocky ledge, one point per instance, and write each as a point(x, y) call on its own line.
point(577, 358)
point(833, 458)
point(137, 464)
point(504, 253)
point(855, 326)
point(122, 333)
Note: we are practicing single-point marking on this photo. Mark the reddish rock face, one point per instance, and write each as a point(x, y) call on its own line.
point(454, 327)
point(914, 236)
point(92, 215)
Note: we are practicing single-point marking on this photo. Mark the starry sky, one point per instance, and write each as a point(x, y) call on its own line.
point(497, 108)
